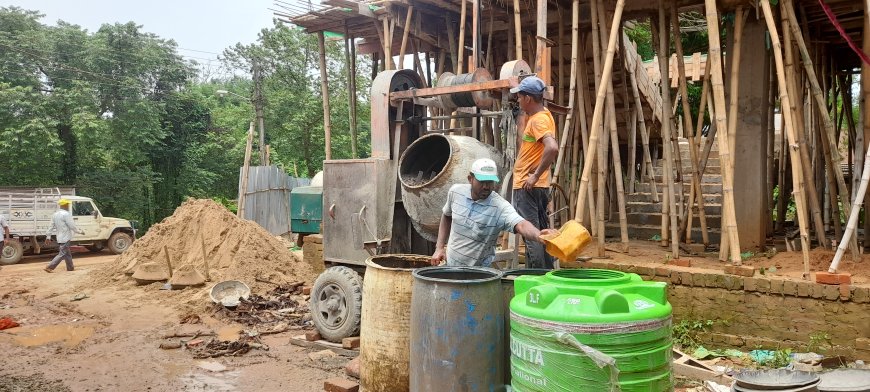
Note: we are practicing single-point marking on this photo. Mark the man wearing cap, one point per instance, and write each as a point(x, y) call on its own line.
point(537, 151)
point(474, 216)
point(62, 223)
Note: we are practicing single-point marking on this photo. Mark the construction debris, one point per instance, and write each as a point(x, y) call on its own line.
point(280, 309)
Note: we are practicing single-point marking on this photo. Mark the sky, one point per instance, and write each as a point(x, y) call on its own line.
point(202, 29)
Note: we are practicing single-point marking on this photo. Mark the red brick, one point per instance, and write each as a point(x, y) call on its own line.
point(836, 278)
point(845, 292)
point(312, 336)
point(350, 343)
point(306, 290)
point(352, 368)
point(740, 270)
point(663, 271)
point(680, 262)
point(340, 385)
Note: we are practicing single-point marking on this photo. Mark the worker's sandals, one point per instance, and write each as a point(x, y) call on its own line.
point(49, 270)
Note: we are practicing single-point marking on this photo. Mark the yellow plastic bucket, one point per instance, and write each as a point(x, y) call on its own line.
point(570, 241)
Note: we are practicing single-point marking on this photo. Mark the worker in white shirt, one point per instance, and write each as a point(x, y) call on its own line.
point(62, 223)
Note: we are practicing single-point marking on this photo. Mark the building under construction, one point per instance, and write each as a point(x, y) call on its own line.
point(769, 153)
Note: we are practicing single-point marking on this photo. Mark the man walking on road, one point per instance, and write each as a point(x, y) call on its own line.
point(474, 216)
point(62, 223)
point(538, 150)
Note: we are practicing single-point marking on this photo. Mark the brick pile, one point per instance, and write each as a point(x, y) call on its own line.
point(312, 251)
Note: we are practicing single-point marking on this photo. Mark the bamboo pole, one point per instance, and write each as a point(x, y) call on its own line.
point(475, 40)
point(771, 143)
point(388, 43)
point(586, 108)
point(405, 33)
point(632, 148)
point(644, 133)
point(853, 216)
point(518, 37)
point(460, 50)
point(614, 141)
point(575, 37)
point(797, 172)
point(693, 154)
point(601, 152)
point(734, 58)
point(667, 135)
point(246, 165)
point(607, 73)
point(350, 54)
point(809, 186)
point(541, 31)
point(324, 91)
point(832, 155)
point(715, 56)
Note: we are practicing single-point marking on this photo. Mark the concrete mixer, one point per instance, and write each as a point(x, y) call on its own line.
point(391, 202)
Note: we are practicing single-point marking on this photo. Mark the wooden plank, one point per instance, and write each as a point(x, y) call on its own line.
point(433, 91)
point(323, 345)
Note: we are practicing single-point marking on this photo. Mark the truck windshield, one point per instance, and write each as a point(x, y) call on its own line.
point(82, 208)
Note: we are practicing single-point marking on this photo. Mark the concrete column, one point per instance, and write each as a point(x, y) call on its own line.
point(750, 155)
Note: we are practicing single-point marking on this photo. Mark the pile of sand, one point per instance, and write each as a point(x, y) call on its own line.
point(236, 249)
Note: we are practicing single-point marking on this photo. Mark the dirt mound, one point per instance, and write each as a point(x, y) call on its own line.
point(235, 248)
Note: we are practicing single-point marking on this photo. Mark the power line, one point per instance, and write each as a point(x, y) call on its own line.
point(113, 51)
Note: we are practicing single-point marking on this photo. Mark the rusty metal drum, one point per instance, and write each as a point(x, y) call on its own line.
point(457, 330)
point(385, 329)
point(427, 170)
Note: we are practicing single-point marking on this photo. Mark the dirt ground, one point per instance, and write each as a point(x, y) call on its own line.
point(787, 264)
point(109, 341)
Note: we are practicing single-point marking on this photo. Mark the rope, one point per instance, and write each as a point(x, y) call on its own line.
point(833, 19)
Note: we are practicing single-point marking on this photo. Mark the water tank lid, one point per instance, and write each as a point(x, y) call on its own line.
point(593, 297)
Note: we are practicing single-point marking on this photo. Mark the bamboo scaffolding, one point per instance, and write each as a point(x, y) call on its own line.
point(809, 186)
point(718, 96)
point(644, 133)
point(614, 139)
point(664, 65)
point(702, 163)
point(601, 154)
point(797, 172)
point(575, 37)
point(693, 154)
point(832, 155)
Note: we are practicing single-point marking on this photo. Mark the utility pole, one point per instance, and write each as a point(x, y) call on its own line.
point(259, 103)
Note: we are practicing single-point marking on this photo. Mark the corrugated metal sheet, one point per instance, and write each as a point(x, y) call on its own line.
point(267, 199)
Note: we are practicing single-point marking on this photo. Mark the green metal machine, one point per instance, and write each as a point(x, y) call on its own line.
point(306, 209)
point(590, 331)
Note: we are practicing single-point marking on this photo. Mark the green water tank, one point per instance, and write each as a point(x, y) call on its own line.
point(590, 330)
point(306, 209)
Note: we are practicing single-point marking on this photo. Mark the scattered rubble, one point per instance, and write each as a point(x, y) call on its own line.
point(280, 309)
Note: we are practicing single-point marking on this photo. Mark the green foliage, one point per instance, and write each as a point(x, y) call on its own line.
point(781, 359)
point(122, 116)
point(686, 333)
point(820, 341)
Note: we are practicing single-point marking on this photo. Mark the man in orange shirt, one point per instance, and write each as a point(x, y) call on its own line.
point(538, 150)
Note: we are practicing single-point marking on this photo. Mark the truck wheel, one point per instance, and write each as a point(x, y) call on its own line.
point(96, 247)
point(12, 252)
point(119, 242)
point(336, 303)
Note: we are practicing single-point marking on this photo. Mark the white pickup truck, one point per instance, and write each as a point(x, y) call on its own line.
point(29, 216)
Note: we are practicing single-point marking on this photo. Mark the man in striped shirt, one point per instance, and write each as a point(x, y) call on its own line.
point(474, 216)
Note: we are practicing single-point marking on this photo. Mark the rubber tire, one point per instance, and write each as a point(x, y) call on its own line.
point(119, 236)
point(18, 250)
point(350, 285)
point(97, 247)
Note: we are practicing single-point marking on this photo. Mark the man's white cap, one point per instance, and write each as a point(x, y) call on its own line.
point(484, 169)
